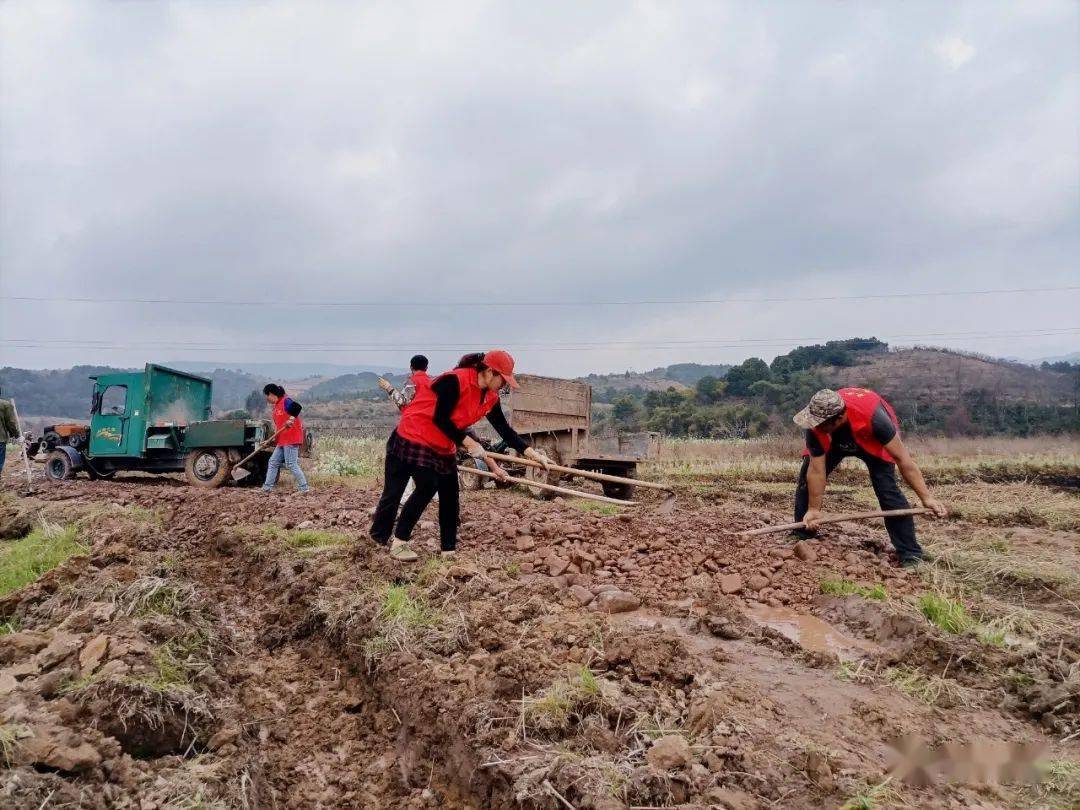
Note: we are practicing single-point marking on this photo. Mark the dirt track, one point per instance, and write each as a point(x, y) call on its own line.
point(526, 672)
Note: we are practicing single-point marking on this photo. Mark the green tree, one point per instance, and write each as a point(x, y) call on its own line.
point(625, 412)
point(742, 376)
point(709, 390)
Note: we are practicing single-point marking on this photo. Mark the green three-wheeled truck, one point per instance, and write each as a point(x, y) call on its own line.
point(158, 421)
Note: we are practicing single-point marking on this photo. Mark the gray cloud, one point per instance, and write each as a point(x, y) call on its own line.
point(528, 152)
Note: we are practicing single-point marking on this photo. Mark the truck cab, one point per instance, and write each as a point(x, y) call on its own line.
point(156, 420)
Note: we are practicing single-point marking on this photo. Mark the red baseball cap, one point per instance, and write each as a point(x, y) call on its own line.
point(502, 362)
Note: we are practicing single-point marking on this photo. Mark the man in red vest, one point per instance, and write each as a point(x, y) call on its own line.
point(417, 382)
point(860, 423)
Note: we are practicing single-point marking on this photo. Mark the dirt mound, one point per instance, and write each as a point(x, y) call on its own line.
point(231, 648)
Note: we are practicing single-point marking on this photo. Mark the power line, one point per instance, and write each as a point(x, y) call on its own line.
point(697, 343)
point(519, 303)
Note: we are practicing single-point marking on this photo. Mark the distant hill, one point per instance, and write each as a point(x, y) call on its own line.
point(678, 376)
point(942, 375)
point(276, 372)
point(349, 386)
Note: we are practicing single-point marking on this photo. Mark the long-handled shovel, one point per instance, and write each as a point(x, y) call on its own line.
point(573, 493)
point(787, 527)
point(664, 508)
point(22, 446)
point(239, 473)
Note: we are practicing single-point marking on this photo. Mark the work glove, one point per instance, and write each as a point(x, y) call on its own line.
point(385, 385)
point(539, 457)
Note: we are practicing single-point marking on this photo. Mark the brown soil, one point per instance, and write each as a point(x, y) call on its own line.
point(196, 658)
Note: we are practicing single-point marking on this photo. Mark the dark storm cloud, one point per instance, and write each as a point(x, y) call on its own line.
point(332, 151)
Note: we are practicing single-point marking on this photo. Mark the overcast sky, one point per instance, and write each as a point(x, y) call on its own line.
point(490, 152)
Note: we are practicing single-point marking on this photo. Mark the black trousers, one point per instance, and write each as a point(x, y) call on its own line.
point(883, 477)
point(396, 477)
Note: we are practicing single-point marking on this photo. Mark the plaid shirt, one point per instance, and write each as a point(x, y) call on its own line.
point(419, 455)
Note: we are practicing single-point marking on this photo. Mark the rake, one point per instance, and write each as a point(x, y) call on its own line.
point(664, 508)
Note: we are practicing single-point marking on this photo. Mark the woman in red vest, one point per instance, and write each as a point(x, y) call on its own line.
point(860, 423)
point(424, 448)
point(286, 416)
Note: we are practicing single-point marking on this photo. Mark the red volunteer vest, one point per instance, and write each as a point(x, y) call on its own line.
point(420, 380)
point(417, 420)
point(860, 406)
point(295, 434)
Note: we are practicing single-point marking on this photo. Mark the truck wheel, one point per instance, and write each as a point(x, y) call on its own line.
point(468, 481)
point(543, 477)
point(207, 467)
point(58, 466)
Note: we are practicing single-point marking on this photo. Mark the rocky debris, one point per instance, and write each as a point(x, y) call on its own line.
point(557, 566)
point(616, 602)
point(524, 543)
point(725, 627)
point(14, 523)
point(223, 737)
point(819, 770)
point(669, 753)
point(60, 647)
point(8, 684)
point(731, 584)
point(57, 747)
point(582, 594)
point(805, 552)
point(730, 799)
point(17, 646)
point(757, 582)
point(92, 653)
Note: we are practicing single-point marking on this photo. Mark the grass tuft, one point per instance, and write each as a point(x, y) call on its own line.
point(310, 539)
point(9, 741)
point(1061, 778)
point(595, 507)
point(23, 561)
point(843, 587)
point(563, 703)
point(873, 797)
point(946, 613)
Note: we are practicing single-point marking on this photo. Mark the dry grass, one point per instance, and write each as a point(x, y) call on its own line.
point(943, 460)
point(994, 567)
point(383, 617)
point(563, 704)
point(933, 690)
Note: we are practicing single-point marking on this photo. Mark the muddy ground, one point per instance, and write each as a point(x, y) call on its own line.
point(229, 649)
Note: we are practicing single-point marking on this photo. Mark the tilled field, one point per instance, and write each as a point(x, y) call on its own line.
point(229, 649)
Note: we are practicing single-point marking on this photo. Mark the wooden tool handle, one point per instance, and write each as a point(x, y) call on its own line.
point(262, 446)
point(787, 527)
point(595, 476)
point(549, 487)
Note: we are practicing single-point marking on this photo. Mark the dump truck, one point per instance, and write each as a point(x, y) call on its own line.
point(555, 415)
point(156, 421)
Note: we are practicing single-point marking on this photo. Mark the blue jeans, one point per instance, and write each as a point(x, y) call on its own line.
point(290, 455)
point(3, 455)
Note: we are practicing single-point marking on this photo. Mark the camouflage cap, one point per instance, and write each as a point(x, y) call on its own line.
point(824, 405)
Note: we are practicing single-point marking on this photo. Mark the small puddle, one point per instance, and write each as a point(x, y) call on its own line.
point(810, 632)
